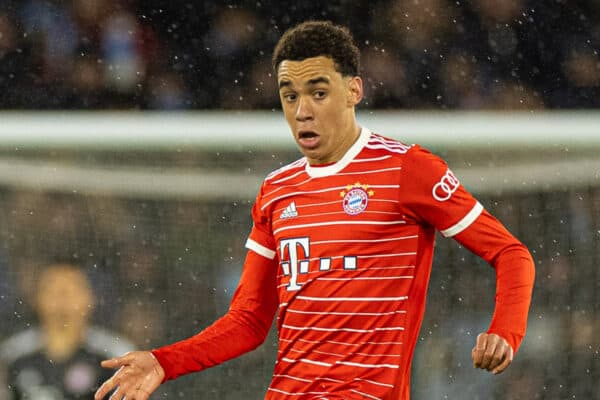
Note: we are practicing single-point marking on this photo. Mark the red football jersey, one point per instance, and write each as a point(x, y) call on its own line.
point(344, 252)
point(354, 241)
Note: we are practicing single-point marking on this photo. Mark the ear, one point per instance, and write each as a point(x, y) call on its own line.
point(355, 91)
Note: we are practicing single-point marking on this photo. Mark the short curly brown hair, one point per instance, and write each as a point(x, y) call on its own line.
point(319, 38)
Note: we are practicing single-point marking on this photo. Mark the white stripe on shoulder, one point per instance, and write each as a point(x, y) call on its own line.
point(260, 249)
point(399, 150)
point(465, 222)
point(287, 178)
point(384, 140)
point(109, 344)
point(21, 345)
point(296, 164)
point(378, 142)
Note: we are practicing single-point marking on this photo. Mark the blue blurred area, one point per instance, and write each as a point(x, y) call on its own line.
point(430, 54)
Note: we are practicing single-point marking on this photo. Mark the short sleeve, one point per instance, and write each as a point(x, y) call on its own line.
point(434, 195)
point(261, 239)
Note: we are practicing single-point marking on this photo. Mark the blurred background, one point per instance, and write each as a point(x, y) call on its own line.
point(135, 134)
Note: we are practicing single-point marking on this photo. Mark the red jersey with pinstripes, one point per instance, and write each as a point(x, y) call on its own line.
point(354, 243)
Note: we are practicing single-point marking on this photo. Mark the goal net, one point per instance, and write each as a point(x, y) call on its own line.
point(156, 209)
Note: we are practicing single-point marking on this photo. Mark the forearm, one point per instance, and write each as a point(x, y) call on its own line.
point(243, 328)
point(230, 336)
point(515, 273)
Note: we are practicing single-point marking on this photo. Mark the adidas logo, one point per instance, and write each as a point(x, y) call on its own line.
point(290, 211)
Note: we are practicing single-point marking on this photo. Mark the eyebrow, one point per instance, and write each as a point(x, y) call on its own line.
point(311, 82)
point(320, 79)
point(284, 83)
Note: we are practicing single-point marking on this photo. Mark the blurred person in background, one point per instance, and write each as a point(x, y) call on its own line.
point(58, 360)
point(102, 54)
point(345, 264)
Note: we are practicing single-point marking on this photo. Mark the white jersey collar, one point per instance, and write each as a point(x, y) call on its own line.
point(318, 172)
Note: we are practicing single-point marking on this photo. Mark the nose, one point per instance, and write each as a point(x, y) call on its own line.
point(304, 111)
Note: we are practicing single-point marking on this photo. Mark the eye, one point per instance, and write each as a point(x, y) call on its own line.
point(320, 94)
point(289, 97)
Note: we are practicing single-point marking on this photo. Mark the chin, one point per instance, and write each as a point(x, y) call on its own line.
point(310, 153)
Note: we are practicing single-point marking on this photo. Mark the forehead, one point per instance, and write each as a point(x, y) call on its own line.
point(306, 69)
point(62, 278)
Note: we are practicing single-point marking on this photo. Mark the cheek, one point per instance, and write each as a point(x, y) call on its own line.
point(289, 116)
point(331, 116)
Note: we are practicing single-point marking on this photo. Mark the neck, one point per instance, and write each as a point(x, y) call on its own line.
point(350, 133)
point(351, 136)
point(62, 341)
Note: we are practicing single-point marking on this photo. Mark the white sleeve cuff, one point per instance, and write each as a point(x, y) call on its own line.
point(260, 249)
point(465, 222)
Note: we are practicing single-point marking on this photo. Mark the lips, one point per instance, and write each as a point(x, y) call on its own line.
point(308, 139)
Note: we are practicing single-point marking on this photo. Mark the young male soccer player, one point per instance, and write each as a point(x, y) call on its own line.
point(341, 249)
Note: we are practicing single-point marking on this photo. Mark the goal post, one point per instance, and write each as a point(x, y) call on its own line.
point(490, 151)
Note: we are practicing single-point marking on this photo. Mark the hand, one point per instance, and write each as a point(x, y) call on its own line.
point(139, 375)
point(492, 353)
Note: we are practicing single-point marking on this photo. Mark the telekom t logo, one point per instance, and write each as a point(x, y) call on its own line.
point(298, 252)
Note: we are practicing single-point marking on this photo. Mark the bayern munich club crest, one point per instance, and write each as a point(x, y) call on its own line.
point(355, 198)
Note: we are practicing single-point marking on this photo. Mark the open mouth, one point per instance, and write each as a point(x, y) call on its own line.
point(308, 139)
point(307, 135)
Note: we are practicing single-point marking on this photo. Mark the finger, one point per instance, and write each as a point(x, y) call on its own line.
point(497, 358)
point(105, 388)
point(116, 381)
point(489, 353)
point(116, 362)
point(114, 396)
point(117, 395)
point(479, 349)
point(125, 390)
point(500, 354)
point(507, 360)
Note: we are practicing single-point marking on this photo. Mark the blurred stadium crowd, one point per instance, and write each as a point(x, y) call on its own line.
point(426, 54)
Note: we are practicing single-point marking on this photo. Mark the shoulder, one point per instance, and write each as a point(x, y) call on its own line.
point(109, 344)
point(21, 345)
point(386, 144)
point(286, 171)
point(421, 159)
point(396, 150)
point(287, 175)
point(418, 164)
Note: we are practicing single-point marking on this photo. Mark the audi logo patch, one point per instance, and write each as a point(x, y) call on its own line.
point(443, 190)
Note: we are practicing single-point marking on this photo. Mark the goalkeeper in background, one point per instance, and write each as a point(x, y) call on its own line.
point(58, 358)
point(341, 250)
